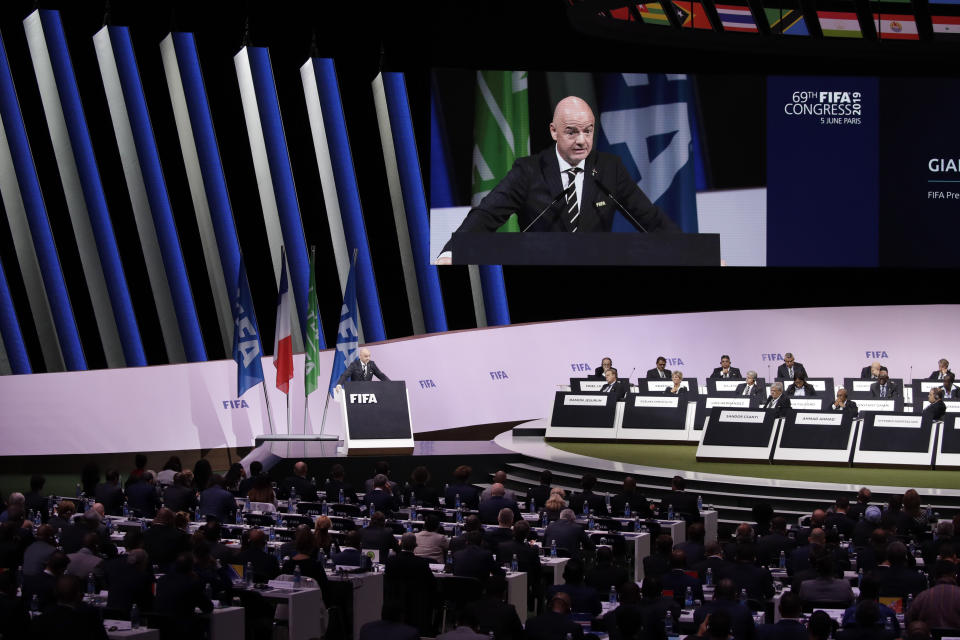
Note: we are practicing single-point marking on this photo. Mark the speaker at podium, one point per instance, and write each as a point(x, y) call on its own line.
point(376, 418)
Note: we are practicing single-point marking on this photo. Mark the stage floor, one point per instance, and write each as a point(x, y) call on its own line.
point(667, 460)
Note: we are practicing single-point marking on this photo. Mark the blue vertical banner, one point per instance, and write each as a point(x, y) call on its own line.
point(348, 335)
point(10, 330)
point(247, 348)
point(649, 120)
point(822, 171)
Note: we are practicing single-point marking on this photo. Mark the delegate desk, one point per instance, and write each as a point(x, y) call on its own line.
point(948, 441)
point(921, 394)
point(656, 417)
point(366, 594)
point(583, 416)
point(823, 387)
point(727, 387)
point(738, 434)
point(896, 439)
point(824, 437)
point(587, 385)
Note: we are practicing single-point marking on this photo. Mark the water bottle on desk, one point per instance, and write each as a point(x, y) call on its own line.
point(590, 523)
point(543, 520)
point(699, 503)
point(514, 564)
point(859, 578)
point(609, 506)
point(340, 496)
point(533, 505)
point(126, 509)
point(413, 508)
point(297, 577)
point(196, 514)
point(636, 524)
point(459, 516)
point(208, 591)
point(134, 616)
point(456, 501)
point(91, 585)
point(709, 577)
point(553, 548)
point(34, 606)
point(292, 501)
point(449, 566)
point(239, 517)
point(248, 574)
point(626, 510)
point(586, 509)
point(324, 508)
point(613, 595)
point(246, 504)
point(783, 560)
point(409, 527)
point(668, 625)
point(670, 513)
point(688, 598)
point(273, 534)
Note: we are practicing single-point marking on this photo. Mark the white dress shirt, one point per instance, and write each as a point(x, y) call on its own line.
point(564, 165)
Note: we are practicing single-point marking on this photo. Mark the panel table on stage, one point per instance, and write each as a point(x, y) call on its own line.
point(896, 439)
point(817, 436)
point(656, 417)
point(720, 393)
point(584, 416)
point(738, 434)
point(822, 387)
point(591, 384)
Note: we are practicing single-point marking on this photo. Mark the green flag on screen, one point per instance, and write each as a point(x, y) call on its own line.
point(501, 131)
point(312, 340)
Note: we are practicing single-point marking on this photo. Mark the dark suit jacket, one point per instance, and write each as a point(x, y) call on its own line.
point(177, 498)
point(783, 630)
point(585, 599)
point(34, 501)
point(638, 505)
point(41, 585)
point(535, 181)
point(475, 562)
point(734, 373)
point(332, 490)
point(604, 576)
point(797, 369)
point(143, 499)
point(110, 495)
point(718, 566)
point(528, 560)
point(935, 410)
point(849, 407)
point(540, 494)
point(598, 504)
point(379, 538)
point(265, 564)
point(936, 375)
point(893, 391)
point(569, 535)
point(620, 388)
point(683, 503)
point(490, 509)
point(382, 501)
point(553, 626)
point(681, 392)
point(809, 392)
point(407, 572)
point(126, 584)
point(756, 394)
point(354, 373)
point(677, 581)
point(351, 558)
point(178, 594)
point(756, 580)
point(653, 374)
point(386, 630)
point(60, 621)
point(783, 404)
point(694, 551)
point(770, 546)
point(469, 495)
point(217, 502)
point(865, 373)
point(164, 543)
point(899, 581)
point(741, 619)
point(425, 495)
point(495, 615)
point(305, 489)
point(493, 538)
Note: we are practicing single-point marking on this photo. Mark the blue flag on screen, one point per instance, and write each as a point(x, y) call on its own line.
point(246, 336)
point(649, 120)
point(348, 336)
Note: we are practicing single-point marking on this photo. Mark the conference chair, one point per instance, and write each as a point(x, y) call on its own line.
point(455, 593)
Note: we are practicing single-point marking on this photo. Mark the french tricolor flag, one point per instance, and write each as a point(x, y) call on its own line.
point(282, 345)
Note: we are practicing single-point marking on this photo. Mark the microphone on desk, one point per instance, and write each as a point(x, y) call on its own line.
point(595, 173)
point(544, 210)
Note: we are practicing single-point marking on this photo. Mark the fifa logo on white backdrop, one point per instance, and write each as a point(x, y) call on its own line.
point(363, 398)
point(235, 404)
point(876, 354)
point(771, 357)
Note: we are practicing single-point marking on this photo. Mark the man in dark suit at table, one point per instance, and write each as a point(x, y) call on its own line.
point(950, 390)
point(555, 622)
point(725, 371)
point(474, 561)
point(790, 369)
point(770, 545)
point(714, 561)
point(381, 498)
point(163, 541)
point(936, 408)
point(605, 363)
point(725, 599)
point(843, 404)
point(677, 581)
point(142, 496)
point(684, 504)
point(377, 536)
point(567, 534)
point(943, 368)
point(790, 626)
point(70, 617)
point(541, 493)
point(751, 388)
point(619, 388)
point(871, 371)
point(568, 182)
point(884, 387)
point(630, 495)
point(596, 501)
point(746, 575)
point(528, 560)
point(109, 493)
point(490, 508)
point(361, 370)
point(469, 494)
point(299, 482)
point(216, 502)
point(776, 401)
point(660, 372)
point(350, 554)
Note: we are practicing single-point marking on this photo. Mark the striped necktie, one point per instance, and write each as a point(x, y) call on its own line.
point(573, 207)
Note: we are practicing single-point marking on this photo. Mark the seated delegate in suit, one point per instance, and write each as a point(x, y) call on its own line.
point(605, 364)
point(943, 368)
point(361, 370)
point(751, 388)
point(568, 182)
point(800, 388)
point(884, 387)
point(936, 408)
point(675, 389)
point(842, 404)
point(790, 369)
point(725, 371)
point(871, 371)
point(777, 402)
point(619, 388)
point(950, 391)
point(660, 372)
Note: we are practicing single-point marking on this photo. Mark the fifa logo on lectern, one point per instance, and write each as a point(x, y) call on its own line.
point(363, 398)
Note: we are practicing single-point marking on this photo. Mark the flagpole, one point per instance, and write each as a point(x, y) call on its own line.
point(326, 402)
point(266, 398)
point(306, 395)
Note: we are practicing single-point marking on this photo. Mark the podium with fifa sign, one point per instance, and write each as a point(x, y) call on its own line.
point(376, 418)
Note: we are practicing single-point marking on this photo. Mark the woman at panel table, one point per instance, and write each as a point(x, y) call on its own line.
point(676, 389)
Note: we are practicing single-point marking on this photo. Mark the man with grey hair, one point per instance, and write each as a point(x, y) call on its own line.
point(790, 369)
point(751, 389)
point(489, 509)
point(361, 370)
point(16, 504)
point(776, 401)
point(568, 535)
point(501, 477)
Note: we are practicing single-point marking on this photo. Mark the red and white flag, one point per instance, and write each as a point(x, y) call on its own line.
point(282, 344)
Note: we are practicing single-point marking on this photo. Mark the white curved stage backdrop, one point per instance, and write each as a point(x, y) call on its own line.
point(460, 378)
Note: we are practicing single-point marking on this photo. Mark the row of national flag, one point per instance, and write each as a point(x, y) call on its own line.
point(247, 350)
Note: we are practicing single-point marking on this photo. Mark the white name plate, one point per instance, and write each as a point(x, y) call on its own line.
point(901, 422)
point(805, 403)
point(820, 419)
point(874, 405)
point(585, 401)
point(729, 385)
point(728, 402)
point(742, 416)
point(952, 407)
point(862, 385)
point(926, 385)
point(654, 401)
point(660, 385)
point(591, 385)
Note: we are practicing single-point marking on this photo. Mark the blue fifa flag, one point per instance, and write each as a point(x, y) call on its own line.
point(649, 120)
point(246, 337)
point(348, 335)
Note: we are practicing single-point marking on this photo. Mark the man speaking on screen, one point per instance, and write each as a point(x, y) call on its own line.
point(569, 187)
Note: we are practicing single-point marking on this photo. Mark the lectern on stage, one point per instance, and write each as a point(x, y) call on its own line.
point(376, 418)
point(592, 248)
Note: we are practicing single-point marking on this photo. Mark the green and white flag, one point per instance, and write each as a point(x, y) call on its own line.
point(501, 131)
point(312, 339)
